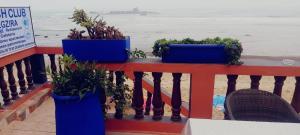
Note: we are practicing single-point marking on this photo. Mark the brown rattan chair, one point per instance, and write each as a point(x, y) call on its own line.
point(258, 105)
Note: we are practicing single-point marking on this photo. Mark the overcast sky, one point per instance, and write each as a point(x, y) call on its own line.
point(104, 5)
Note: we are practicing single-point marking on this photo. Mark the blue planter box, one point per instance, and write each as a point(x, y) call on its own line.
point(105, 51)
point(78, 117)
point(195, 53)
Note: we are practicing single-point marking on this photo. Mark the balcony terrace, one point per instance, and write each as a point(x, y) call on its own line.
point(27, 108)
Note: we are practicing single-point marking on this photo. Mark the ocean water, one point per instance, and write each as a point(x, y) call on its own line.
point(265, 34)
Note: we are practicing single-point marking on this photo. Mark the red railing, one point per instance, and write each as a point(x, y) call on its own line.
point(201, 85)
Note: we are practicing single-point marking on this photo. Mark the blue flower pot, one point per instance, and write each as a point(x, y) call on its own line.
point(195, 53)
point(103, 51)
point(79, 117)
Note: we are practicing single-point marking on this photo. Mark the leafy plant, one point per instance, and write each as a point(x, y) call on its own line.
point(79, 78)
point(233, 48)
point(135, 54)
point(96, 28)
point(75, 34)
point(121, 95)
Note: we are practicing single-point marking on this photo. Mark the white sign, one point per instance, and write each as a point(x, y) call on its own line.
point(16, 31)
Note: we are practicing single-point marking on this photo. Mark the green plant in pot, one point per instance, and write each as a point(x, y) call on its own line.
point(209, 50)
point(76, 92)
point(80, 92)
point(98, 42)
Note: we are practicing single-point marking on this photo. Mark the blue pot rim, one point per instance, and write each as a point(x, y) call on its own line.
point(197, 45)
point(126, 38)
point(71, 98)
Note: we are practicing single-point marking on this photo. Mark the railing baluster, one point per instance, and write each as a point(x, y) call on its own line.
point(138, 98)
point(109, 87)
point(231, 87)
point(38, 68)
point(59, 65)
point(103, 101)
point(279, 81)
point(119, 83)
point(296, 98)
point(52, 63)
point(163, 108)
point(231, 83)
point(176, 97)
point(4, 90)
point(148, 103)
point(22, 82)
point(28, 73)
point(157, 100)
point(111, 79)
point(12, 81)
point(255, 81)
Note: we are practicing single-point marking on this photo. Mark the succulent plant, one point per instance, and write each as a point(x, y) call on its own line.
point(76, 34)
point(96, 28)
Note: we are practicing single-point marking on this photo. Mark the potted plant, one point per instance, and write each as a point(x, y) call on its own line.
point(76, 92)
point(103, 43)
point(210, 50)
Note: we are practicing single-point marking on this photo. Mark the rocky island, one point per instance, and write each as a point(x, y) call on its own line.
point(134, 11)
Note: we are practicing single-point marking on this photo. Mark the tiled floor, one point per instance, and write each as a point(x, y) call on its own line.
point(41, 122)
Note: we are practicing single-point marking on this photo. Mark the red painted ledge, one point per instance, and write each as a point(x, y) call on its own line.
point(49, 50)
point(146, 125)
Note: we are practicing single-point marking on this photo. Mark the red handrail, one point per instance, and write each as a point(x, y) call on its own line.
point(202, 81)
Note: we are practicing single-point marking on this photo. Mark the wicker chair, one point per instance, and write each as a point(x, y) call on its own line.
point(257, 105)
